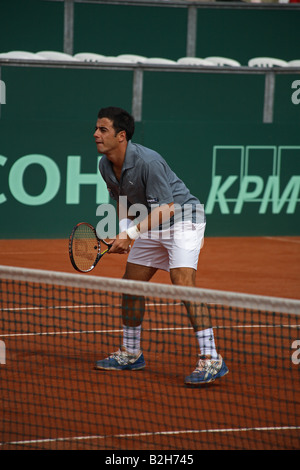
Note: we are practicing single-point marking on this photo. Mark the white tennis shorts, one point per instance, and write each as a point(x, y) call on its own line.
point(176, 247)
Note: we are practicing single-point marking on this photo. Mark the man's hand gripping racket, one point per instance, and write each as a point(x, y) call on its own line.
point(85, 248)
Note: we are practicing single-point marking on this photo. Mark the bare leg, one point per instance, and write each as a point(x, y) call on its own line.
point(198, 313)
point(133, 307)
point(129, 356)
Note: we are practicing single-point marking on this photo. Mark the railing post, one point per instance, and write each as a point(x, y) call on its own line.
point(269, 97)
point(68, 26)
point(137, 94)
point(191, 31)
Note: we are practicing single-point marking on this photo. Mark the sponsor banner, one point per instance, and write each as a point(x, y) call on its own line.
point(245, 183)
point(244, 172)
point(265, 176)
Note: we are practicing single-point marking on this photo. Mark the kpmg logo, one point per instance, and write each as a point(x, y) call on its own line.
point(267, 177)
point(2, 92)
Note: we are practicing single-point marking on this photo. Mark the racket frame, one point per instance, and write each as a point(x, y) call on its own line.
point(99, 253)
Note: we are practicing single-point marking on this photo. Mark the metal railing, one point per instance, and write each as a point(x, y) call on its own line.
point(138, 70)
point(190, 5)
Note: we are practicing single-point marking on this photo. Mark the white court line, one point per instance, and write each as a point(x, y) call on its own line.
point(64, 307)
point(148, 434)
point(104, 331)
point(78, 332)
point(26, 252)
point(280, 239)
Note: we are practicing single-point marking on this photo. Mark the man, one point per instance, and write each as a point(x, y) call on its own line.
point(162, 238)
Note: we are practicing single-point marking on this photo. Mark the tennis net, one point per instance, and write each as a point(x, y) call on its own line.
point(54, 326)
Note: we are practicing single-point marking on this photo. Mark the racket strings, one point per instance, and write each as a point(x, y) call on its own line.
point(85, 247)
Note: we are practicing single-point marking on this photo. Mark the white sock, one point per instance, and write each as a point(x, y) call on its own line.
point(132, 338)
point(206, 342)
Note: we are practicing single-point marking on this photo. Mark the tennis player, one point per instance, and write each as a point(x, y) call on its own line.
point(161, 239)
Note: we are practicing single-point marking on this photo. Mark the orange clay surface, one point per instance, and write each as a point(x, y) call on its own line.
point(264, 266)
point(53, 398)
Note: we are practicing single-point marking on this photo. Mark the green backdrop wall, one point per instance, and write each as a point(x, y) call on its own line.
point(207, 126)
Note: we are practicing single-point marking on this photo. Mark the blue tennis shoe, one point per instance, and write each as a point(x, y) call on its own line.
point(122, 360)
point(207, 371)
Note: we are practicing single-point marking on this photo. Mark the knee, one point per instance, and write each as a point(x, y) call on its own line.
point(183, 276)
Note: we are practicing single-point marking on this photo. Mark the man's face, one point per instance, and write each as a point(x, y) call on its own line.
point(105, 136)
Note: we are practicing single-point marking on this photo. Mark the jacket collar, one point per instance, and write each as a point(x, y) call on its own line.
point(130, 156)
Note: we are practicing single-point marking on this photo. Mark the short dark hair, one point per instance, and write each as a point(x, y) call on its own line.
point(121, 119)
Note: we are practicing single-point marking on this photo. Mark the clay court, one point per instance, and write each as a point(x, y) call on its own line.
point(54, 399)
point(220, 101)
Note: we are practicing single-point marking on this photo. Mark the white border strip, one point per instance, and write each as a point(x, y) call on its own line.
point(192, 294)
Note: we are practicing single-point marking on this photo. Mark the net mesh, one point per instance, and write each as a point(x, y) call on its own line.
point(54, 326)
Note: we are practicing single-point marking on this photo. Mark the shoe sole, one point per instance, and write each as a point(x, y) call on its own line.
point(205, 382)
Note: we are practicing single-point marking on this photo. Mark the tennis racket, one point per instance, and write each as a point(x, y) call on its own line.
point(85, 248)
